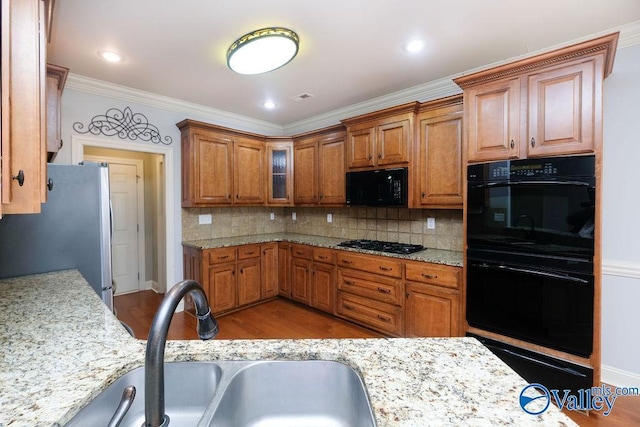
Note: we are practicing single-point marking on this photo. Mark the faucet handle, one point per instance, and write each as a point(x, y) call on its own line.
point(128, 394)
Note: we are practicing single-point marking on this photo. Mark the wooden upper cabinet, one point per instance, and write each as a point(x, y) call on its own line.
point(546, 105)
point(438, 158)
point(319, 167)
point(56, 78)
point(331, 169)
point(248, 171)
point(23, 143)
point(221, 166)
point(493, 120)
point(381, 139)
point(279, 176)
point(305, 172)
point(562, 108)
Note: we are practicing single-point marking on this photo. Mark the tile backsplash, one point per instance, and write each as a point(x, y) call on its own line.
point(390, 224)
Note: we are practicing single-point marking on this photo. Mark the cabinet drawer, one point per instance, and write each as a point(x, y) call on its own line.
point(328, 256)
point(372, 264)
point(217, 256)
point(372, 286)
point(435, 274)
point(302, 251)
point(249, 251)
point(377, 315)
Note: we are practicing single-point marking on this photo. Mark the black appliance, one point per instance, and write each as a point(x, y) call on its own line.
point(530, 229)
point(380, 246)
point(382, 187)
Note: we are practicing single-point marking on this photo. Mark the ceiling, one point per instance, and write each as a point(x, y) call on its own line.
point(351, 51)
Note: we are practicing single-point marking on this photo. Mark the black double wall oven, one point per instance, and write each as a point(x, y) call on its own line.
point(530, 247)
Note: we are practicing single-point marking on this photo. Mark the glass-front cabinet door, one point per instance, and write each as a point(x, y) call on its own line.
point(279, 167)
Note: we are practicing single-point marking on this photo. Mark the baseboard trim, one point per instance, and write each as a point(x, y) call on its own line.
point(619, 378)
point(153, 285)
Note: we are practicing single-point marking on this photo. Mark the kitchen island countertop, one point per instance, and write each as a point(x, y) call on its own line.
point(437, 256)
point(61, 346)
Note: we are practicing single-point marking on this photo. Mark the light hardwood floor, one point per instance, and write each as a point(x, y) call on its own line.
point(283, 319)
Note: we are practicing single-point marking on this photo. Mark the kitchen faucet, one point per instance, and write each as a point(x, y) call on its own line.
point(154, 360)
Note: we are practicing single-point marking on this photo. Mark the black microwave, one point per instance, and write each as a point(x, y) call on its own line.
point(382, 187)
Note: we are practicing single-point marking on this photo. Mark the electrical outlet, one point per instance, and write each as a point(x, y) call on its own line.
point(431, 223)
point(329, 217)
point(293, 216)
point(272, 216)
point(205, 219)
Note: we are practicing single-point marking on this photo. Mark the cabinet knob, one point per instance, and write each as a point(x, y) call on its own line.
point(424, 195)
point(533, 142)
point(50, 184)
point(237, 196)
point(370, 157)
point(20, 177)
point(379, 155)
point(512, 144)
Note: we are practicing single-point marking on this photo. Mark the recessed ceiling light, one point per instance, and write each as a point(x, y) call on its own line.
point(269, 105)
point(414, 46)
point(110, 56)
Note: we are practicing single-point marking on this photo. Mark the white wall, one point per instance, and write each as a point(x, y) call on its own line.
point(620, 229)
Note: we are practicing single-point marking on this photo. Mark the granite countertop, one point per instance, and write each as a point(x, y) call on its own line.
point(436, 256)
point(61, 346)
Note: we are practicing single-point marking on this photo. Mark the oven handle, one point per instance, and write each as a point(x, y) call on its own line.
point(524, 183)
point(531, 271)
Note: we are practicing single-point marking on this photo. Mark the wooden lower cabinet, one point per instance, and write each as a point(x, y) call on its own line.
point(284, 270)
point(301, 280)
point(383, 317)
point(221, 287)
point(249, 283)
point(431, 311)
point(269, 270)
point(323, 287)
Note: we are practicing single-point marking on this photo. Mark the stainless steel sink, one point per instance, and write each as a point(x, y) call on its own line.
point(291, 393)
point(190, 386)
point(310, 393)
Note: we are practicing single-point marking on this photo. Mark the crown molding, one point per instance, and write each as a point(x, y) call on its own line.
point(629, 36)
point(191, 110)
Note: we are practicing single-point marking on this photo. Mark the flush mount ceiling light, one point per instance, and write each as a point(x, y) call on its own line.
point(262, 50)
point(110, 56)
point(414, 46)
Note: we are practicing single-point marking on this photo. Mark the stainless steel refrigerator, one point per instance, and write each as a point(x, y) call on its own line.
point(73, 231)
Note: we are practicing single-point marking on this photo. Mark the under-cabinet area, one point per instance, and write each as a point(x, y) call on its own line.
point(396, 296)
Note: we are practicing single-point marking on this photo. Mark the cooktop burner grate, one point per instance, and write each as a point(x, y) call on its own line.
point(380, 246)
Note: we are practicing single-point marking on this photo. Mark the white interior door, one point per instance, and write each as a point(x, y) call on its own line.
point(124, 244)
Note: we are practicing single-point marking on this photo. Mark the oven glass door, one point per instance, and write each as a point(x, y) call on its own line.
point(546, 307)
point(544, 217)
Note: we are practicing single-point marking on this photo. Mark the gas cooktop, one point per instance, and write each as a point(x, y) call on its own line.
point(380, 246)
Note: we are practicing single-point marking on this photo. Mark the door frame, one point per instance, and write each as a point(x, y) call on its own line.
point(139, 164)
point(78, 142)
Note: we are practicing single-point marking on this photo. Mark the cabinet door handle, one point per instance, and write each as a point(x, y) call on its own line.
point(383, 268)
point(533, 142)
point(429, 276)
point(384, 291)
point(512, 144)
point(19, 177)
point(384, 318)
point(249, 253)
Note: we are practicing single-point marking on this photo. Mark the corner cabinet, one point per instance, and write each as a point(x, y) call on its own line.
point(438, 156)
point(23, 145)
point(546, 105)
point(381, 139)
point(221, 166)
point(319, 167)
